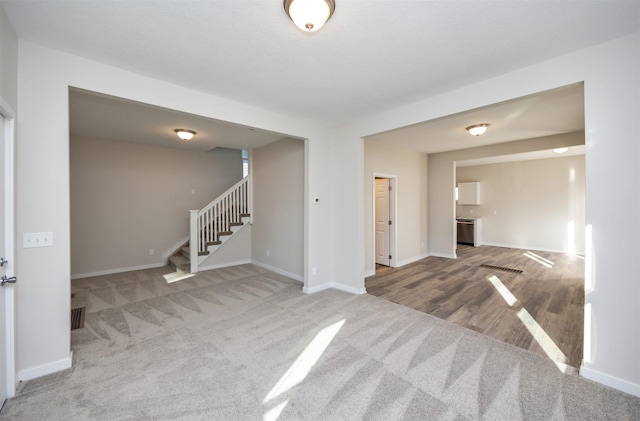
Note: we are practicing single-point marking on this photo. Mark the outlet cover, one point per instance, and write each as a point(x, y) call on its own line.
point(37, 239)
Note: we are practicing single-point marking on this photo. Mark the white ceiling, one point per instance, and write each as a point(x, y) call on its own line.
point(548, 113)
point(101, 117)
point(371, 56)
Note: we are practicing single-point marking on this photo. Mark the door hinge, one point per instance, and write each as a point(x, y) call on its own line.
point(390, 257)
point(389, 222)
point(389, 188)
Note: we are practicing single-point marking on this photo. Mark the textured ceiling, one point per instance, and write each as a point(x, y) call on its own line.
point(371, 56)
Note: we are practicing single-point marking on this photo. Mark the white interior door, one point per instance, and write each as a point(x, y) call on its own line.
point(382, 221)
point(7, 264)
point(3, 329)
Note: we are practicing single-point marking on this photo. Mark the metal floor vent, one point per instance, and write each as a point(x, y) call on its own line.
point(502, 268)
point(77, 318)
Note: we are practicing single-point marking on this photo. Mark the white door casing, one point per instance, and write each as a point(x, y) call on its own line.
point(7, 238)
point(382, 221)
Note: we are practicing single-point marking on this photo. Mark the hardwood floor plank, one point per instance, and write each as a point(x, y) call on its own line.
point(550, 289)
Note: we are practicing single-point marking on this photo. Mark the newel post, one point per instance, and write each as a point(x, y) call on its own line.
point(194, 247)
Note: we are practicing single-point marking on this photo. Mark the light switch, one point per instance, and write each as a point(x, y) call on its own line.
point(37, 239)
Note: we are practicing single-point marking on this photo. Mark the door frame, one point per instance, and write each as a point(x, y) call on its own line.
point(9, 205)
point(393, 211)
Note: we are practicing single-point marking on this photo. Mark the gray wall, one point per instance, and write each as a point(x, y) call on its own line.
point(129, 198)
point(442, 241)
point(410, 169)
point(8, 62)
point(278, 206)
point(536, 204)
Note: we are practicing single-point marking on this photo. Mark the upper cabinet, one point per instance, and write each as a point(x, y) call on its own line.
point(469, 193)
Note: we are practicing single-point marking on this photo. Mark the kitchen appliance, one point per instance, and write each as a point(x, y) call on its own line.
point(466, 228)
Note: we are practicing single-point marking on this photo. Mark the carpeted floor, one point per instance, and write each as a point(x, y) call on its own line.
point(244, 343)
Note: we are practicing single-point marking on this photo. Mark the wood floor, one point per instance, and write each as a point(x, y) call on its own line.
point(540, 309)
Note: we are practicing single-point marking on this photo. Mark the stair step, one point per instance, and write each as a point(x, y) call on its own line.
point(213, 243)
point(236, 224)
point(186, 252)
point(180, 262)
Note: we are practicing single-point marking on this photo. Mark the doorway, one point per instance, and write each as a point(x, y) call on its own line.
point(7, 263)
point(384, 219)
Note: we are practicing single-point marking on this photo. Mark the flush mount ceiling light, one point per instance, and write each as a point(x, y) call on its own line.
point(560, 150)
point(309, 15)
point(478, 129)
point(185, 134)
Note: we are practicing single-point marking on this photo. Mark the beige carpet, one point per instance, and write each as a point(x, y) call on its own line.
point(243, 343)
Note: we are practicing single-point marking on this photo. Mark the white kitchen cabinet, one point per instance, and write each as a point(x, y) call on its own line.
point(469, 193)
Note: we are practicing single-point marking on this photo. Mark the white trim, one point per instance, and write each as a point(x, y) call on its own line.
point(393, 212)
point(511, 246)
point(118, 270)
point(174, 248)
point(46, 369)
point(413, 259)
point(9, 247)
point(370, 273)
point(279, 271)
point(223, 265)
point(611, 381)
point(445, 255)
point(334, 285)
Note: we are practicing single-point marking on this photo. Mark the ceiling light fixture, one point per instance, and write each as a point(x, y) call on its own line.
point(309, 15)
point(478, 129)
point(560, 150)
point(185, 134)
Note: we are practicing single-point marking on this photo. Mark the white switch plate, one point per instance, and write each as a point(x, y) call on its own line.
point(37, 239)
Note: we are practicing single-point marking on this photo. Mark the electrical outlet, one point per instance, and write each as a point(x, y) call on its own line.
point(314, 271)
point(267, 253)
point(152, 252)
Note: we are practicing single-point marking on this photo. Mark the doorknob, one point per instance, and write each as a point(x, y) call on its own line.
point(6, 280)
point(3, 261)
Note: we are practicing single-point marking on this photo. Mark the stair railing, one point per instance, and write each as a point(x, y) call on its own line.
point(207, 224)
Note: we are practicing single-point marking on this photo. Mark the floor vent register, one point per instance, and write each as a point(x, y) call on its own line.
point(77, 318)
point(502, 268)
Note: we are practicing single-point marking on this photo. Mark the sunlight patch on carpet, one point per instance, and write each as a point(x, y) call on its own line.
point(177, 276)
point(305, 362)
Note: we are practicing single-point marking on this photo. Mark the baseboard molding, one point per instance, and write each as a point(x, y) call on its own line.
point(45, 369)
point(335, 285)
point(118, 270)
point(608, 380)
point(413, 259)
point(512, 246)
point(279, 271)
point(224, 265)
point(369, 273)
point(445, 255)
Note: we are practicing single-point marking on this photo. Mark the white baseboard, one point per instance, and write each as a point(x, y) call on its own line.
point(279, 271)
point(45, 369)
point(335, 285)
point(118, 270)
point(445, 255)
point(412, 259)
point(369, 273)
point(512, 246)
point(224, 265)
point(608, 380)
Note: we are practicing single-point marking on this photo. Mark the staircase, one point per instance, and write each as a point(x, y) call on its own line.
point(213, 226)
